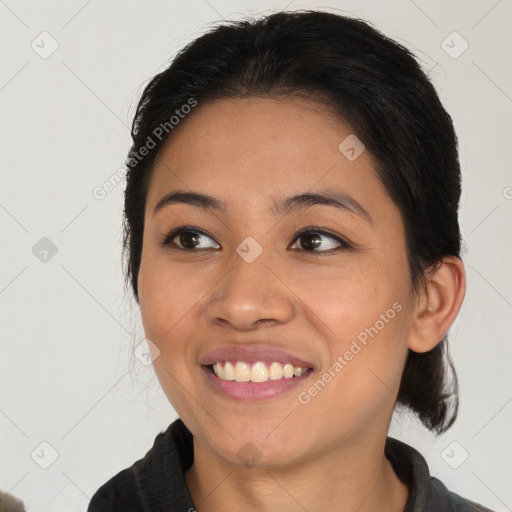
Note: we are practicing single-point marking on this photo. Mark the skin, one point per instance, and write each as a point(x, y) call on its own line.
point(327, 454)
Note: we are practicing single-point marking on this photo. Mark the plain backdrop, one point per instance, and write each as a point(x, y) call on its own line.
point(74, 397)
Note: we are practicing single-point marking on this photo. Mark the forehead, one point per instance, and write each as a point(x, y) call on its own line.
point(253, 147)
point(231, 127)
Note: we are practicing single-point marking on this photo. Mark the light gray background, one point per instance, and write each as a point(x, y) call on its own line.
point(68, 374)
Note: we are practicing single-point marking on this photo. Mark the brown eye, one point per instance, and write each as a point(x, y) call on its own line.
point(318, 241)
point(310, 241)
point(190, 240)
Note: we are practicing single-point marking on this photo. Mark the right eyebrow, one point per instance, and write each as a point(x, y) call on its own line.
point(203, 201)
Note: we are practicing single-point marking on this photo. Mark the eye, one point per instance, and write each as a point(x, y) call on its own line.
point(189, 239)
point(318, 240)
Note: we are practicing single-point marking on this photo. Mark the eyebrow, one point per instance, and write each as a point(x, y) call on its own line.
point(288, 205)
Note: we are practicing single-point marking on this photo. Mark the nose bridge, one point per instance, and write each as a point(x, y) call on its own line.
point(250, 291)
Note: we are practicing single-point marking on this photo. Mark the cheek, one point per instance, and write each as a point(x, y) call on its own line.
point(364, 316)
point(166, 295)
point(351, 300)
point(168, 300)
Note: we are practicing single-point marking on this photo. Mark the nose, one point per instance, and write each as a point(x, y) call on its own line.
point(251, 295)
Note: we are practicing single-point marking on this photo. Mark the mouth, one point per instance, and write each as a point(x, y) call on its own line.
point(254, 382)
point(254, 371)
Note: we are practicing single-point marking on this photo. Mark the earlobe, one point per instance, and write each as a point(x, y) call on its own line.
point(437, 304)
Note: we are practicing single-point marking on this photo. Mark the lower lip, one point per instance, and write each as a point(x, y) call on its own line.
point(253, 391)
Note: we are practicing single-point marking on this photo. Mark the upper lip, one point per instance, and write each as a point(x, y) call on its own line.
point(251, 353)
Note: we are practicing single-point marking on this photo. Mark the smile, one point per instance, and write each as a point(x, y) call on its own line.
point(255, 372)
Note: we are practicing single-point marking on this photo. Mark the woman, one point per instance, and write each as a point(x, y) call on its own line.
point(293, 243)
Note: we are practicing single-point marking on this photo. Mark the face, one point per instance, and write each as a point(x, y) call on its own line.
point(240, 279)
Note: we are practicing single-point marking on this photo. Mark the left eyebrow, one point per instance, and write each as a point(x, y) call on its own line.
point(330, 198)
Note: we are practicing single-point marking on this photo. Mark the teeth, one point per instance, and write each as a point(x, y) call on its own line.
point(258, 372)
point(219, 371)
point(276, 371)
point(242, 372)
point(288, 371)
point(229, 371)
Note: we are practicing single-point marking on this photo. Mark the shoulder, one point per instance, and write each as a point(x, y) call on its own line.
point(426, 493)
point(451, 501)
point(464, 505)
point(119, 493)
point(122, 491)
point(154, 482)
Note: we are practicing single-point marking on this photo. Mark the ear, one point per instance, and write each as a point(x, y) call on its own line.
point(437, 304)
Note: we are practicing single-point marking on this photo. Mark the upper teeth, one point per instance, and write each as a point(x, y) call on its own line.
point(257, 372)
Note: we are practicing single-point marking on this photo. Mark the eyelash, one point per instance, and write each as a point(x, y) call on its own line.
point(311, 230)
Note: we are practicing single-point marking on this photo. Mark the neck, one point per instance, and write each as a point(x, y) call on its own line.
point(358, 477)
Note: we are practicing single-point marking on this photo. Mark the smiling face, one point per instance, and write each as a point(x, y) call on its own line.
point(320, 281)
